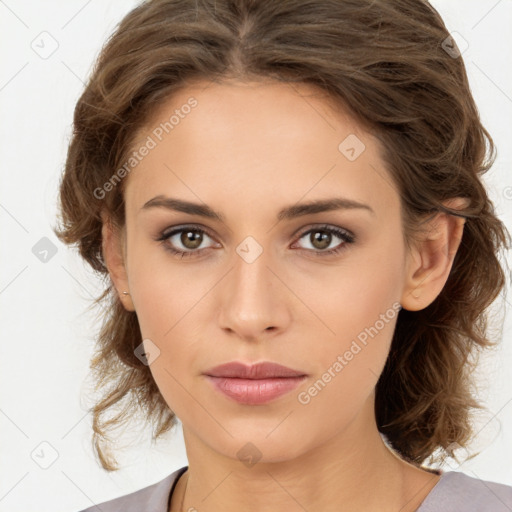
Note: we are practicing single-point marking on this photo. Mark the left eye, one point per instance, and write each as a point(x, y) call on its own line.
point(321, 238)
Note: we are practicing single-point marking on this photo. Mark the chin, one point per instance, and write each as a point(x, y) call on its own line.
point(255, 445)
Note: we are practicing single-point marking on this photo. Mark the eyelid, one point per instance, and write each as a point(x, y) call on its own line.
point(182, 227)
point(327, 227)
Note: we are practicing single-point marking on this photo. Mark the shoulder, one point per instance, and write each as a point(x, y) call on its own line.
point(457, 491)
point(153, 498)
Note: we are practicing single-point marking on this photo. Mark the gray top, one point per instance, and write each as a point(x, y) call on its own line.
point(454, 492)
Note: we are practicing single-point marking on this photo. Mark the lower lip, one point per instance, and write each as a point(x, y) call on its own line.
point(255, 391)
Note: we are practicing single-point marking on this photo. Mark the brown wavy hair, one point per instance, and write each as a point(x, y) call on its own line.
point(385, 62)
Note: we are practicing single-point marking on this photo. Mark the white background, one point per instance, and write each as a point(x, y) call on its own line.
point(47, 334)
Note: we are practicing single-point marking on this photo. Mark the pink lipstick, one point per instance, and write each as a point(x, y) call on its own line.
point(254, 384)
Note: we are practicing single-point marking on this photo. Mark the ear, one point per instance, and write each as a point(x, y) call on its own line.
point(430, 261)
point(114, 257)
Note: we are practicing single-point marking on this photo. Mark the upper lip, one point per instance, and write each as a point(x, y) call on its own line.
point(263, 370)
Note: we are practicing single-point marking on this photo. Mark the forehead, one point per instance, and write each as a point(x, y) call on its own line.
point(265, 140)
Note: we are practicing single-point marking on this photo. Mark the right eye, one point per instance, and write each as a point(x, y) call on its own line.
point(188, 239)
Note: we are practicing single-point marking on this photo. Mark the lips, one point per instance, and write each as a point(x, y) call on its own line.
point(255, 384)
point(264, 370)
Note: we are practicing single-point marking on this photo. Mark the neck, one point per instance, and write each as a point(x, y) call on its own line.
point(352, 471)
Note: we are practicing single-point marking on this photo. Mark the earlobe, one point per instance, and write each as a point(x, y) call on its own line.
point(430, 261)
point(114, 260)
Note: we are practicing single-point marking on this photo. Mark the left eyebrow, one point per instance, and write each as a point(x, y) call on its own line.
point(321, 205)
point(287, 213)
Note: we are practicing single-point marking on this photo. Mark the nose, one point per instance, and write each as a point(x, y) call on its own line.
point(254, 301)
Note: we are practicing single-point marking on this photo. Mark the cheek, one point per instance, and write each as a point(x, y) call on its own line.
point(158, 294)
point(349, 362)
point(353, 295)
point(167, 302)
point(359, 308)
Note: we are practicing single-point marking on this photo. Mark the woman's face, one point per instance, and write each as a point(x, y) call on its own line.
point(260, 285)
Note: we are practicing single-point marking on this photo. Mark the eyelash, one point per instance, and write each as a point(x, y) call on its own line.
point(347, 238)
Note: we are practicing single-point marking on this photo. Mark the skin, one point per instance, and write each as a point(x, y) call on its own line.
point(247, 150)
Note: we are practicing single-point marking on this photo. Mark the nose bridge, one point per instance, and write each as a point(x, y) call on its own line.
point(251, 273)
point(252, 301)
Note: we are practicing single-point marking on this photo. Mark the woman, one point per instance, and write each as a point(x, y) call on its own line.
point(286, 200)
